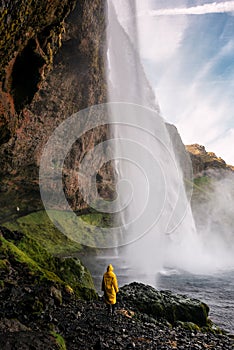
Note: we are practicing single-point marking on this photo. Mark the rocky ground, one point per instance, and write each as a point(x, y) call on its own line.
point(48, 302)
point(86, 325)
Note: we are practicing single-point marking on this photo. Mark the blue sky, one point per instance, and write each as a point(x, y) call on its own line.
point(188, 52)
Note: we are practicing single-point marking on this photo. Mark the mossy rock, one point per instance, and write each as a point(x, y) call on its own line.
point(4, 265)
point(213, 328)
point(39, 227)
point(2, 285)
point(164, 304)
point(189, 326)
point(28, 339)
point(202, 189)
point(59, 340)
point(38, 265)
point(31, 305)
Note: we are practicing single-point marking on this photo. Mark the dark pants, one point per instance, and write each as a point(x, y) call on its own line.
point(111, 309)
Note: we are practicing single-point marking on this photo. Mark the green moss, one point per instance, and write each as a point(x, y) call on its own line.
point(17, 255)
point(38, 226)
point(202, 181)
point(59, 340)
point(189, 326)
point(157, 309)
point(44, 249)
point(37, 307)
point(202, 188)
point(45, 267)
point(98, 219)
point(212, 328)
point(4, 265)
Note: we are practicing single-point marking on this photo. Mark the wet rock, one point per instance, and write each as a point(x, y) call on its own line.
point(164, 304)
point(57, 295)
point(28, 341)
point(12, 325)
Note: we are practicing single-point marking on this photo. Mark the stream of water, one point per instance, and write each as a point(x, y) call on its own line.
point(216, 290)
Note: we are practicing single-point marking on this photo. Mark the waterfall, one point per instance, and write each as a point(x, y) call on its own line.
point(155, 226)
point(158, 227)
point(146, 162)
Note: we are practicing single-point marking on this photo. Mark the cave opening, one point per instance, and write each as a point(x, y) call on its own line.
point(5, 133)
point(26, 75)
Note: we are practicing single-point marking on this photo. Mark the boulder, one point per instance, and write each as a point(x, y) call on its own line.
point(164, 304)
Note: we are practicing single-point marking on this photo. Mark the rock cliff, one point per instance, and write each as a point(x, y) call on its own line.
point(41, 86)
point(30, 36)
point(203, 161)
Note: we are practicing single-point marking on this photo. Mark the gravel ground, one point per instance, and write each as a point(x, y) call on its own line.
point(87, 325)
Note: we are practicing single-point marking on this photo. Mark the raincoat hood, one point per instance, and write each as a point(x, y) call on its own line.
point(110, 268)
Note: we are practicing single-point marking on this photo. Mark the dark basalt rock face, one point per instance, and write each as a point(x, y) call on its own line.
point(40, 89)
point(30, 36)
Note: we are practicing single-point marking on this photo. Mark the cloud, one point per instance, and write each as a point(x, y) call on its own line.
point(167, 33)
point(214, 7)
point(167, 36)
point(203, 120)
point(199, 100)
point(189, 63)
point(224, 51)
point(201, 110)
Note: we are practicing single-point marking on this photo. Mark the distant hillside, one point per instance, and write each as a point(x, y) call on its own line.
point(204, 161)
point(212, 200)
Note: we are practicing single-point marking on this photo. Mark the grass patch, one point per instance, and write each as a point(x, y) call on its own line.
point(98, 219)
point(202, 188)
point(39, 226)
point(59, 340)
point(202, 181)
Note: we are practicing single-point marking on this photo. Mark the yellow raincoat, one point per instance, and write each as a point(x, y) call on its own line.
point(110, 285)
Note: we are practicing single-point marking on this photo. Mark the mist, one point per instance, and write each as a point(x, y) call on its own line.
point(211, 250)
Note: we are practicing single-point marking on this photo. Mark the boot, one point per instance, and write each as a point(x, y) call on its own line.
point(113, 309)
point(109, 309)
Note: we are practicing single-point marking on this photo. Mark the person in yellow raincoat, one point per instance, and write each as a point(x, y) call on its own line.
point(110, 288)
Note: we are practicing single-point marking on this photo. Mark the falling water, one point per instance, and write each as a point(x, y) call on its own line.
point(146, 158)
point(158, 224)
